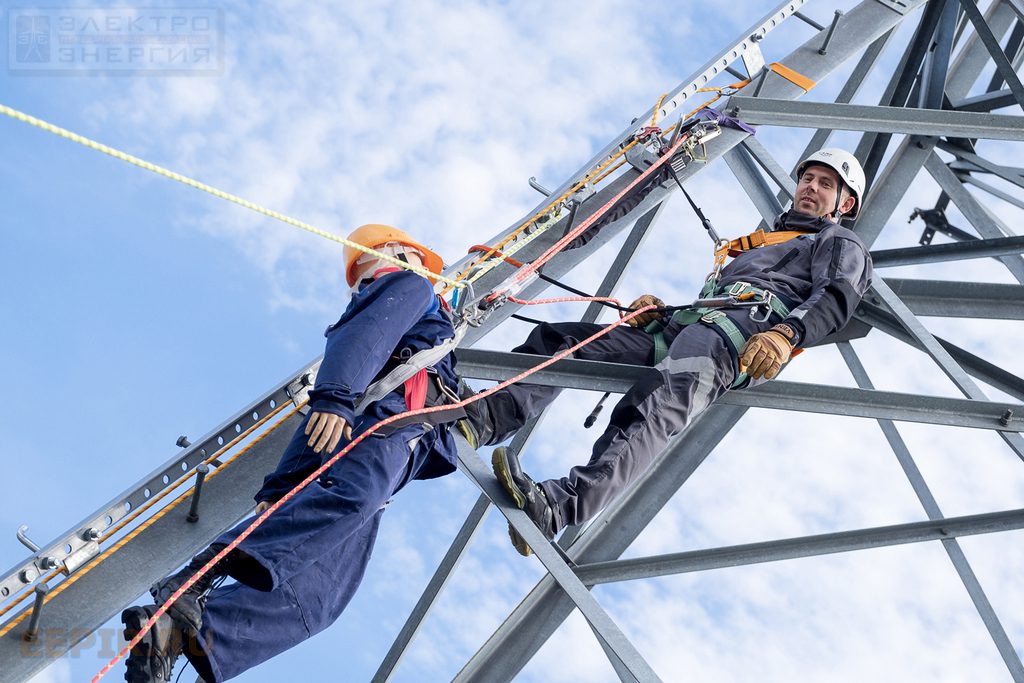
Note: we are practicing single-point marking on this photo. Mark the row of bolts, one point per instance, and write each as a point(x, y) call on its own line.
point(92, 534)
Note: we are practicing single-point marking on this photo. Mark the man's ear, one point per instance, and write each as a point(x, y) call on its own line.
point(848, 203)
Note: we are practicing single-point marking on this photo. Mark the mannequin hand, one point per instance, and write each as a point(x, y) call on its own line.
point(325, 430)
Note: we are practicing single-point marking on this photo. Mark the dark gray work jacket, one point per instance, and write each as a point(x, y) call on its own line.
point(821, 276)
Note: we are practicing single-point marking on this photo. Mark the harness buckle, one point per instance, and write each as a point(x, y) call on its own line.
point(737, 288)
point(711, 316)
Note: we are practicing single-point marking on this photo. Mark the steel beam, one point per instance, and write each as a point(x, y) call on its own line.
point(540, 613)
point(961, 299)
point(944, 253)
point(986, 102)
point(753, 183)
point(991, 42)
point(941, 357)
point(985, 223)
point(778, 395)
point(931, 507)
point(614, 641)
point(955, 124)
point(979, 368)
point(968, 179)
point(792, 548)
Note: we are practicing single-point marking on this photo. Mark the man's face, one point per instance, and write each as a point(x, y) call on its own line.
point(816, 191)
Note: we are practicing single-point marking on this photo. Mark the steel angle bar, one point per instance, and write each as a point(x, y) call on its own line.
point(814, 398)
point(961, 299)
point(436, 585)
point(986, 102)
point(937, 61)
point(617, 270)
point(109, 514)
point(680, 96)
point(940, 356)
point(753, 183)
point(615, 641)
point(968, 161)
point(931, 507)
point(968, 179)
point(476, 515)
point(979, 368)
point(943, 253)
point(849, 91)
point(889, 188)
point(984, 222)
point(771, 166)
point(793, 548)
point(985, 33)
point(857, 117)
point(118, 577)
point(539, 615)
point(831, 400)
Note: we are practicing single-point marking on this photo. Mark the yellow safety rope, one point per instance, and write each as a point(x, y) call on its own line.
point(220, 194)
point(492, 254)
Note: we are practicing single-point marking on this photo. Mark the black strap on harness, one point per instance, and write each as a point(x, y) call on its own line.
point(437, 395)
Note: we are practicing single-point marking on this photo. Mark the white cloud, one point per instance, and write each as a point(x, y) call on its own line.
point(432, 117)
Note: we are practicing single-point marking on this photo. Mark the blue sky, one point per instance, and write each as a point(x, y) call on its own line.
point(137, 310)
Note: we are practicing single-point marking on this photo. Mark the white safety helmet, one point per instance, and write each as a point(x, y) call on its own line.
point(848, 168)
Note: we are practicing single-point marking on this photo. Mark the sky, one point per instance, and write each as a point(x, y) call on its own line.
point(136, 310)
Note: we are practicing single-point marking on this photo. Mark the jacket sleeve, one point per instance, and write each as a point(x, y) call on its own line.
point(360, 343)
point(840, 275)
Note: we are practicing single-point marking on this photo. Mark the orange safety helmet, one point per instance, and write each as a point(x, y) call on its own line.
point(374, 235)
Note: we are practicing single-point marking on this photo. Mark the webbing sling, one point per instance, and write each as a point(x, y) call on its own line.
point(715, 317)
point(418, 361)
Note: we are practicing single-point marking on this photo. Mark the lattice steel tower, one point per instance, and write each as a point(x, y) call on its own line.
point(936, 100)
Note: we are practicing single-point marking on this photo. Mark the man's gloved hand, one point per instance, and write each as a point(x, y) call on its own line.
point(643, 319)
point(324, 431)
point(262, 506)
point(766, 352)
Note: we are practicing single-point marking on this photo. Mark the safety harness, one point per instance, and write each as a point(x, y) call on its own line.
point(762, 302)
point(420, 383)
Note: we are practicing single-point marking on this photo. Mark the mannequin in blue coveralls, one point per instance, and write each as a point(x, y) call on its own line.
point(299, 569)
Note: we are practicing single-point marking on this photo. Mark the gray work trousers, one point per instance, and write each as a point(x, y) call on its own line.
point(700, 366)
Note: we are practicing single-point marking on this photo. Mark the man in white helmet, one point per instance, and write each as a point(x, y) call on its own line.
point(809, 272)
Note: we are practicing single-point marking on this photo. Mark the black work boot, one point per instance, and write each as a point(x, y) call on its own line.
point(478, 426)
point(152, 660)
point(527, 496)
point(187, 610)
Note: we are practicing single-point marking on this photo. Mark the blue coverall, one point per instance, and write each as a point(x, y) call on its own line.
point(308, 558)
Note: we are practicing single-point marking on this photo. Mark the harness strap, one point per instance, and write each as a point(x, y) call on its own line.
point(758, 238)
point(405, 370)
point(436, 395)
point(715, 317)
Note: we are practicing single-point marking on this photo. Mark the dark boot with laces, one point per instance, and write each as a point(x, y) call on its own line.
point(527, 496)
point(152, 659)
point(187, 610)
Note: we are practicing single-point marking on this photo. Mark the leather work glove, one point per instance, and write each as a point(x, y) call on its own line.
point(262, 506)
point(766, 352)
point(644, 319)
point(324, 431)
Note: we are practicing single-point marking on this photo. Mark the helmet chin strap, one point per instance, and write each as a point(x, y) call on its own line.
point(839, 197)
